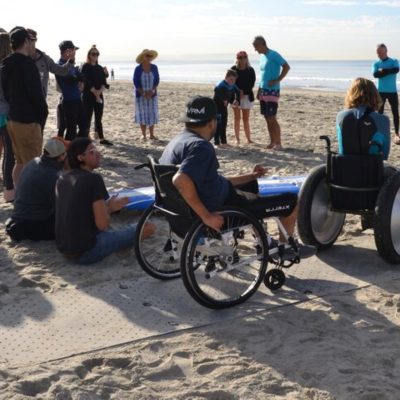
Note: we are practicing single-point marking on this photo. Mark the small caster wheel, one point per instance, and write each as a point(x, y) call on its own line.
point(274, 279)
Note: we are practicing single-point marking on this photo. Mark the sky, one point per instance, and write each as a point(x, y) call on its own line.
point(298, 29)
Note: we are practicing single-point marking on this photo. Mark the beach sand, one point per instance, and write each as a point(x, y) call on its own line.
point(342, 346)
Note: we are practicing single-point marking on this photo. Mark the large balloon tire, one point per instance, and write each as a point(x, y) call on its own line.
point(387, 220)
point(317, 224)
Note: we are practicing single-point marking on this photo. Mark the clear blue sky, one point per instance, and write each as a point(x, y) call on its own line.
point(298, 29)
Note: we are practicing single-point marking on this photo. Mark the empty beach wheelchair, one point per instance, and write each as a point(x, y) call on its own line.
point(219, 269)
point(356, 183)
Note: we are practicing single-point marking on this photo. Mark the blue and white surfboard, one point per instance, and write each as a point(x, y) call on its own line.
point(141, 198)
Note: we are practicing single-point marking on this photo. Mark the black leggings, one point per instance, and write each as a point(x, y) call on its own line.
point(222, 121)
point(8, 159)
point(394, 105)
point(75, 117)
point(91, 105)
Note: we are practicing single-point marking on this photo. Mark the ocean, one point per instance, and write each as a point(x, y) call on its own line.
point(316, 75)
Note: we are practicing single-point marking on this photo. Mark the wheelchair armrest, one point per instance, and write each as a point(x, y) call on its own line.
point(165, 211)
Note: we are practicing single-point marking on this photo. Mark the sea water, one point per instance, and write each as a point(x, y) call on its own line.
point(319, 75)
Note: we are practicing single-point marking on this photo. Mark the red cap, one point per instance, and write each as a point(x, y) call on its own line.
point(241, 53)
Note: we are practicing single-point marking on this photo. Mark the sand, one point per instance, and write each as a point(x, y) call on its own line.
point(342, 346)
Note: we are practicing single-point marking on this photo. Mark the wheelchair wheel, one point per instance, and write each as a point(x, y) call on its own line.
point(387, 220)
point(274, 279)
point(222, 269)
point(317, 224)
point(159, 254)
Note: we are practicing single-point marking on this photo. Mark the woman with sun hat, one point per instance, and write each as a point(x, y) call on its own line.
point(146, 79)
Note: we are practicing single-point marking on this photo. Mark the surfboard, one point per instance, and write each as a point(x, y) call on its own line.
point(141, 198)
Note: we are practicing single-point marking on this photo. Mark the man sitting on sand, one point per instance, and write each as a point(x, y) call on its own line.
point(204, 189)
point(83, 209)
point(34, 205)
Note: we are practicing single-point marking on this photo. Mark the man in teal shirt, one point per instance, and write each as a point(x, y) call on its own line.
point(273, 68)
point(386, 70)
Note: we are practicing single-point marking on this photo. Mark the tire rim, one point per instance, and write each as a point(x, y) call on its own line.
point(395, 223)
point(325, 223)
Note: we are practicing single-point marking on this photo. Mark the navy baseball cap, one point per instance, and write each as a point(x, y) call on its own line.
point(67, 44)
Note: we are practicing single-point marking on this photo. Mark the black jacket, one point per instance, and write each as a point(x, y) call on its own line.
point(23, 89)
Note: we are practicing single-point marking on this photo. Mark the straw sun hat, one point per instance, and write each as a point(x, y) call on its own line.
point(146, 52)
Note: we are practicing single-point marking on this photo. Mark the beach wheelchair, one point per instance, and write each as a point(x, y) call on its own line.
point(352, 183)
point(218, 269)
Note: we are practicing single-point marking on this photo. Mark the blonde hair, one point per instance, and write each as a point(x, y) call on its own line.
point(363, 92)
point(89, 51)
point(5, 45)
point(247, 66)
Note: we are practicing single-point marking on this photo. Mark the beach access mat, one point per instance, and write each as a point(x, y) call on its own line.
point(68, 322)
point(141, 198)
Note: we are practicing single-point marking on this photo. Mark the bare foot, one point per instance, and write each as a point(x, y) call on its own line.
point(225, 145)
point(143, 138)
point(396, 140)
point(153, 138)
point(237, 143)
point(249, 141)
point(278, 147)
point(271, 146)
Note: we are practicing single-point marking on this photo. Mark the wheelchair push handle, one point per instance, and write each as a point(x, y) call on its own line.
point(328, 142)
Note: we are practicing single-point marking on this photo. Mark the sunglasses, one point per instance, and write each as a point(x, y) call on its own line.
point(91, 151)
point(94, 54)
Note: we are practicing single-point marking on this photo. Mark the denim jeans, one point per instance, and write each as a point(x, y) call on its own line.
point(108, 242)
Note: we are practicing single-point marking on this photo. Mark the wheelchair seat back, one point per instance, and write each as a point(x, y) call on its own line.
point(168, 199)
point(355, 177)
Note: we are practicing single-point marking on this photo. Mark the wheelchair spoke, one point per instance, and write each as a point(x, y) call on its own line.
point(223, 269)
point(159, 254)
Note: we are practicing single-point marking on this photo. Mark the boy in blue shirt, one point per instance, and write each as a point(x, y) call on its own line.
point(386, 70)
point(224, 92)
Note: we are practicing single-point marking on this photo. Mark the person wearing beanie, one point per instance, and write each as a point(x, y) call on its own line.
point(33, 216)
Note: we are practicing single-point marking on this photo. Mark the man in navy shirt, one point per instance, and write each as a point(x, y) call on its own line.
point(199, 182)
point(386, 70)
point(71, 87)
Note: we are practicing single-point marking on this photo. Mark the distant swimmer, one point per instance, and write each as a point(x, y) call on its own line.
point(386, 70)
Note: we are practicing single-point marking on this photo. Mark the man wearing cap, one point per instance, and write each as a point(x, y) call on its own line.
point(33, 216)
point(199, 182)
point(71, 87)
point(23, 91)
point(273, 68)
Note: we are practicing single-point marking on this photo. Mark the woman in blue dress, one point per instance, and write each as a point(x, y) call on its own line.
point(146, 79)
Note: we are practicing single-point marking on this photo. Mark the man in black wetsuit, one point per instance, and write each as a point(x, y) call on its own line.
point(386, 70)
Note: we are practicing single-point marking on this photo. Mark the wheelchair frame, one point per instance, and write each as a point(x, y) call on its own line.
point(219, 269)
point(320, 224)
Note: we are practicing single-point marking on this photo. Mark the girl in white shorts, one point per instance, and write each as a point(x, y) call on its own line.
point(245, 81)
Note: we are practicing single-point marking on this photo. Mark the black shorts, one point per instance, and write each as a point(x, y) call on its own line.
point(262, 207)
point(268, 108)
